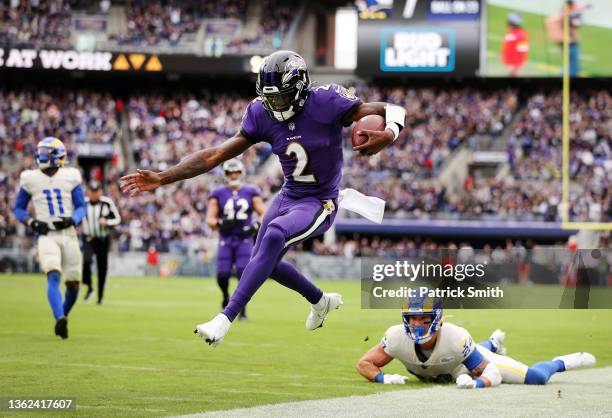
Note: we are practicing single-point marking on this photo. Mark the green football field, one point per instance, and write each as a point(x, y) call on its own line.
point(545, 58)
point(137, 355)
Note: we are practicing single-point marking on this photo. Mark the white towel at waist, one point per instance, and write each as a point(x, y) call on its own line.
point(371, 208)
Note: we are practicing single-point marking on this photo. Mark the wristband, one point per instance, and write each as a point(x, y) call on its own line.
point(479, 384)
point(394, 128)
point(396, 114)
point(380, 378)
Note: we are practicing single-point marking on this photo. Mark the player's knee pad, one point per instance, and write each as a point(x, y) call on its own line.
point(54, 278)
point(273, 239)
point(72, 285)
point(536, 376)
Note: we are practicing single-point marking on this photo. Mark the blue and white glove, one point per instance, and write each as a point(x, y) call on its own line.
point(464, 381)
point(390, 379)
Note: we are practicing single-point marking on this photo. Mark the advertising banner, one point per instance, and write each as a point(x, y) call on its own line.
point(418, 37)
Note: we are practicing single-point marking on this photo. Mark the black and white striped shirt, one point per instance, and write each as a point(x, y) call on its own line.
point(103, 208)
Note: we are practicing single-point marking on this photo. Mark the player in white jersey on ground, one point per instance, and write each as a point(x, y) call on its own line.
point(439, 353)
point(59, 206)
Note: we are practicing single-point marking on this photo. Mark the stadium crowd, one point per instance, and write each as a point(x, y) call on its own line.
point(41, 23)
point(48, 23)
point(440, 121)
point(151, 23)
point(375, 246)
point(535, 150)
point(269, 32)
point(163, 128)
point(28, 115)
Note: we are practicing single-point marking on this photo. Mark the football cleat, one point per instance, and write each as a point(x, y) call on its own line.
point(214, 330)
point(577, 360)
point(319, 311)
point(89, 294)
point(61, 327)
point(243, 316)
point(497, 338)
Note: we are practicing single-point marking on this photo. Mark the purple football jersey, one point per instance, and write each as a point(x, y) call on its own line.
point(235, 206)
point(309, 145)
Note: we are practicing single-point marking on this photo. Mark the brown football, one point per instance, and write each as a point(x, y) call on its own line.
point(368, 123)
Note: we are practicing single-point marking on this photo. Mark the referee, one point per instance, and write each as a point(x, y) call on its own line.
point(101, 214)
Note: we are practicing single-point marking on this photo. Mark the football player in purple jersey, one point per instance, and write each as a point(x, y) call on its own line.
point(230, 209)
point(303, 124)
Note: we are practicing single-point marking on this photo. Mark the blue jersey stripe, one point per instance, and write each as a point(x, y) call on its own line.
point(473, 360)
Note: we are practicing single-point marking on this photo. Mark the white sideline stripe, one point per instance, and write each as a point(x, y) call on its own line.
point(582, 393)
point(310, 230)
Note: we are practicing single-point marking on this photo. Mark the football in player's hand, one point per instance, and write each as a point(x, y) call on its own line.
point(367, 123)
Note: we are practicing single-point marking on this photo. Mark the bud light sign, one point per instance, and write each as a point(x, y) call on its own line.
point(417, 50)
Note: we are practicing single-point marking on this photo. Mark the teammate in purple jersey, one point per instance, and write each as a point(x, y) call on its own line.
point(230, 209)
point(304, 126)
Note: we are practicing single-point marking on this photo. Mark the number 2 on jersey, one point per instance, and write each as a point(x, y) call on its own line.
point(295, 148)
point(58, 196)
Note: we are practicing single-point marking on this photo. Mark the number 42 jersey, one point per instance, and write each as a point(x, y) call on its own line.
point(51, 195)
point(236, 207)
point(309, 145)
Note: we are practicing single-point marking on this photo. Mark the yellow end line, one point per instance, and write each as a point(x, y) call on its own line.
point(596, 226)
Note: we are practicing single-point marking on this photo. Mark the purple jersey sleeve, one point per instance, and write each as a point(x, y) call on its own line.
point(254, 191)
point(215, 194)
point(250, 128)
point(337, 102)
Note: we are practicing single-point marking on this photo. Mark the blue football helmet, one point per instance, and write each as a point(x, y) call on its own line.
point(50, 153)
point(425, 305)
point(283, 84)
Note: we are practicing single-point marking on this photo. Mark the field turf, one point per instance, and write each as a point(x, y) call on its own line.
point(137, 355)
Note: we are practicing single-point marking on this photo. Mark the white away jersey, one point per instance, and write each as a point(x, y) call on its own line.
point(51, 195)
point(445, 362)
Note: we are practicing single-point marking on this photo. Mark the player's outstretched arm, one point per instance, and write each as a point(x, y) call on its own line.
point(486, 374)
point(193, 165)
point(212, 213)
point(260, 207)
point(395, 117)
point(369, 366)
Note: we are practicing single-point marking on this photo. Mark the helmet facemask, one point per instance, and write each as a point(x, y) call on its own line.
point(233, 166)
point(50, 153)
point(283, 85)
point(421, 334)
point(237, 182)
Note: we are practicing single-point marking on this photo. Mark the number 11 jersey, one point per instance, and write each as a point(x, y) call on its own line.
point(51, 195)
